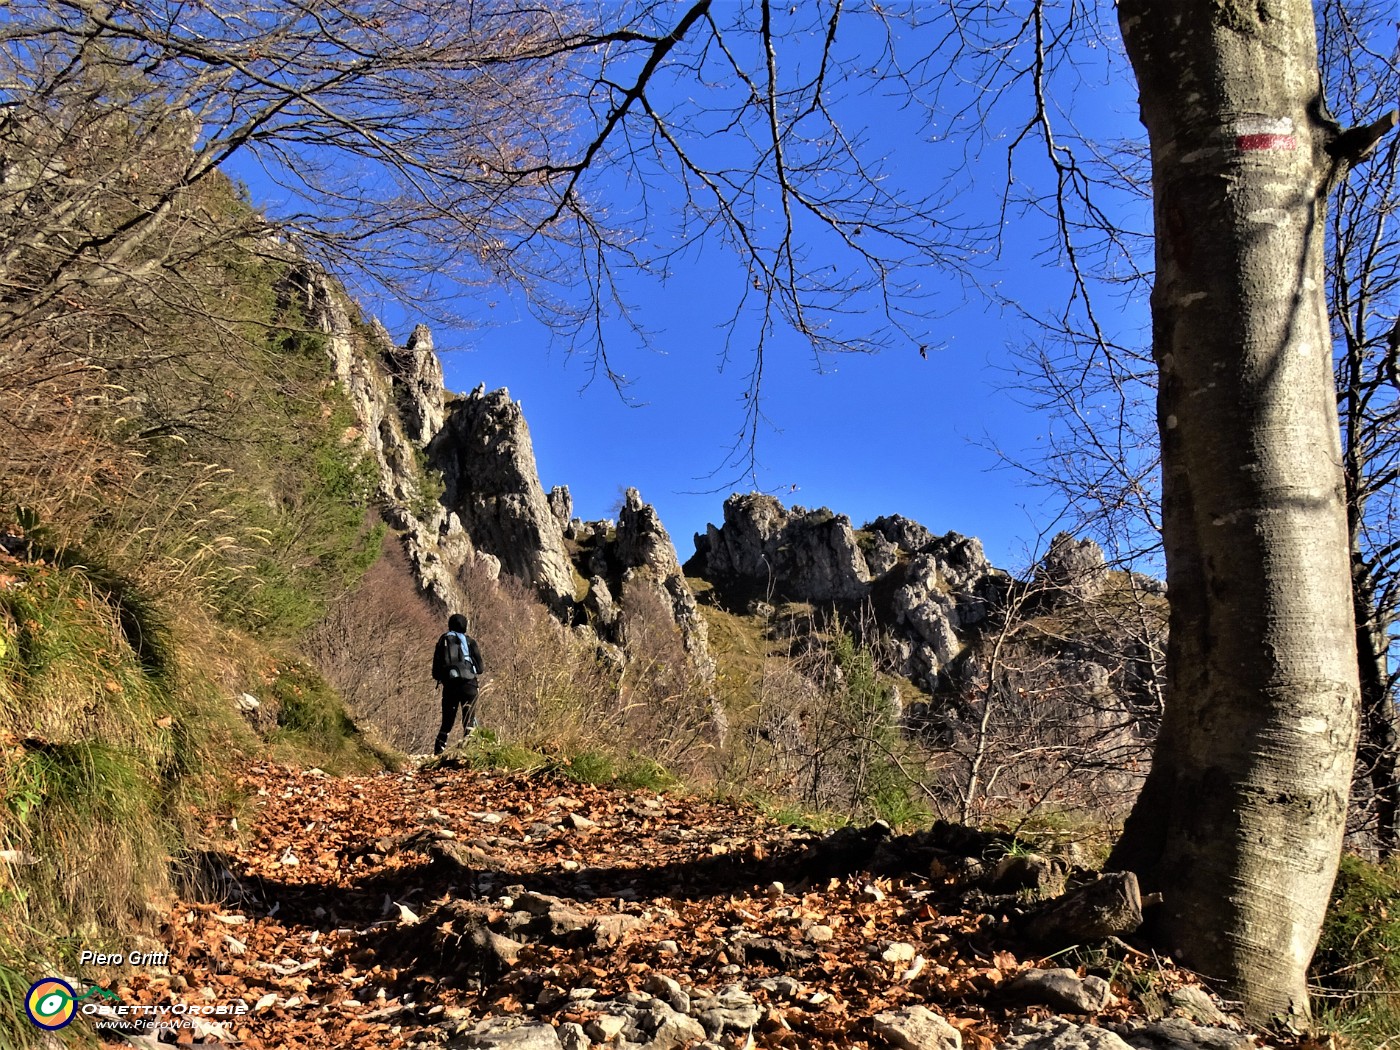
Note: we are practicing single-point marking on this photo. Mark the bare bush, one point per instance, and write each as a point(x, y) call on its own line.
point(563, 692)
point(673, 713)
point(826, 733)
point(375, 646)
point(1057, 704)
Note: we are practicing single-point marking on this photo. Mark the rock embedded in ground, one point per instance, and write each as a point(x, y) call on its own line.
point(493, 953)
point(668, 1028)
point(605, 1027)
point(782, 986)
point(1177, 1033)
point(899, 952)
point(1056, 1033)
point(916, 1028)
point(612, 927)
point(503, 1033)
point(1045, 876)
point(1061, 989)
point(819, 934)
point(733, 1009)
point(669, 990)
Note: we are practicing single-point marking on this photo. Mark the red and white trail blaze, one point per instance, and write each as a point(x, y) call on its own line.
point(1262, 133)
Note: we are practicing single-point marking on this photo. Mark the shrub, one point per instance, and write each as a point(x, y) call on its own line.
point(558, 693)
point(375, 647)
point(1357, 963)
point(591, 767)
point(485, 750)
point(312, 723)
point(603, 768)
point(646, 774)
point(827, 735)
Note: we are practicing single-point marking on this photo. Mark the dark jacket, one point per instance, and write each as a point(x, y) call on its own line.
point(440, 657)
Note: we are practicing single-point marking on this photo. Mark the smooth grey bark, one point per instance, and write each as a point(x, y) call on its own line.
point(1240, 823)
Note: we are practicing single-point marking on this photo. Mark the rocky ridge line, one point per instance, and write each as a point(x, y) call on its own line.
point(924, 601)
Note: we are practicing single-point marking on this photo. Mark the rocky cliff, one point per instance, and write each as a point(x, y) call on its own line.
point(925, 600)
point(924, 591)
point(492, 486)
point(398, 398)
point(459, 484)
point(635, 553)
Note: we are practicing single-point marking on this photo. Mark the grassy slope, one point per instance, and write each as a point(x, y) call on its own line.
point(193, 520)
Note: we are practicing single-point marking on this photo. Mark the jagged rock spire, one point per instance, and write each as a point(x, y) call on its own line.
point(492, 484)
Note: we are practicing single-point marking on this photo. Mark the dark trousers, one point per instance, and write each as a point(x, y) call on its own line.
point(456, 694)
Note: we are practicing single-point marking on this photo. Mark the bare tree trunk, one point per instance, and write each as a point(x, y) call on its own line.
point(1240, 823)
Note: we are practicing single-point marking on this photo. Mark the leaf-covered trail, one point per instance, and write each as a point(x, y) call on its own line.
point(413, 908)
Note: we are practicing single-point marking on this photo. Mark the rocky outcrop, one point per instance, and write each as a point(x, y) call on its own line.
point(492, 485)
point(1052, 659)
point(1073, 569)
point(902, 532)
point(493, 509)
point(392, 424)
point(642, 541)
point(561, 503)
point(946, 589)
point(646, 556)
point(933, 589)
point(805, 555)
point(459, 487)
point(926, 610)
point(636, 552)
point(602, 611)
point(417, 377)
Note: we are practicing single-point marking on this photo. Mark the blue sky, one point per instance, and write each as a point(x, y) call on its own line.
point(862, 434)
point(869, 435)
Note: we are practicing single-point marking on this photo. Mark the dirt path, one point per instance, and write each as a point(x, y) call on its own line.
point(441, 907)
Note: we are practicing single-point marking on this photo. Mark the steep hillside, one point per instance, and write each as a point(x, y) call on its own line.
point(590, 641)
point(178, 506)
point(223, 514)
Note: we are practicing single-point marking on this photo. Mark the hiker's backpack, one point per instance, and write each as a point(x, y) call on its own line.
point(457, 662)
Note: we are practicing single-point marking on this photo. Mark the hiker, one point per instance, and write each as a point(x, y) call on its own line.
point(456, 664)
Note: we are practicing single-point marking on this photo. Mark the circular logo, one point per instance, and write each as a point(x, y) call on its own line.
point(50, 1003)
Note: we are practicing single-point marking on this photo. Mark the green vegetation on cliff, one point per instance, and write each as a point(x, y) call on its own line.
point(182, 494)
